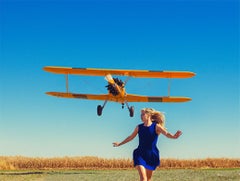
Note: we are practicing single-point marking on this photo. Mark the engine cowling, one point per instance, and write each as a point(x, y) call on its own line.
point(112, 87)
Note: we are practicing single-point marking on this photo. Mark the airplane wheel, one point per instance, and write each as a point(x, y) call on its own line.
point(131, 110)
point(99, 110)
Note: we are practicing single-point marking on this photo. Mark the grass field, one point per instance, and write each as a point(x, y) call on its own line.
point(19, 168)
point(122, 175)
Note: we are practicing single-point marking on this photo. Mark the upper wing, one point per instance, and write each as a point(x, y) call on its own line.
point(131, 73)
point(129, 97)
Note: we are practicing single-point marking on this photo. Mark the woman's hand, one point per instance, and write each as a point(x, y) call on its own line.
point(116, 144)
point(177, 134)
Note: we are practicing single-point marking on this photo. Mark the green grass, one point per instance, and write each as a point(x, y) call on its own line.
point(123, 175)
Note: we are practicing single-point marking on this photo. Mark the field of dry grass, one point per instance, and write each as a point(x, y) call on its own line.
point(36, 163)
point(122, 175)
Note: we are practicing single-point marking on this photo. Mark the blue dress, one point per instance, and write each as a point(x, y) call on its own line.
point(147, 154)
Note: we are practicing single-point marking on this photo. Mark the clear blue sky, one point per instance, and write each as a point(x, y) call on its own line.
point(199, 36)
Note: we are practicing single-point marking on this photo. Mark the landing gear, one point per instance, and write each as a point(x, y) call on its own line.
point(99, 110)
point(131, 111)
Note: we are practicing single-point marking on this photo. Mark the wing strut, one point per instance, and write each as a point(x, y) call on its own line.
point(66, 82)
point(127, 79)
point(169, 86)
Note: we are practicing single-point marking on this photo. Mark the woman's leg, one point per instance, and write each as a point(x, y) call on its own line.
point(142, 172)
point(149, 174)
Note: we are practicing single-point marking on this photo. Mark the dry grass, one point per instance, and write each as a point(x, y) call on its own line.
point(201, 163)
point(36, 163)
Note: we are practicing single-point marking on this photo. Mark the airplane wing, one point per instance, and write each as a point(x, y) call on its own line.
point(131, 73)
point(101, 97)
point(128, 98)
point(79, 96)
point(140, 98)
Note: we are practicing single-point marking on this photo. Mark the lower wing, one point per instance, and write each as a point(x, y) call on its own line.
point(139, 98)
point(128, 98)
point(79, 96)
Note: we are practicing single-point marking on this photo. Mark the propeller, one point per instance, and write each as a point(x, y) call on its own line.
point(112, 87)
point(109, 78)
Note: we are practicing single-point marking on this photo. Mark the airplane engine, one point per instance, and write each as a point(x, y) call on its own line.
point(112, 88)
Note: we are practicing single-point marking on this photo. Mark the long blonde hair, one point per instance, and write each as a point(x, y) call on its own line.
point(156, 116)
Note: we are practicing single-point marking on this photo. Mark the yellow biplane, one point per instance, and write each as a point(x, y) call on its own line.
point(116, 87)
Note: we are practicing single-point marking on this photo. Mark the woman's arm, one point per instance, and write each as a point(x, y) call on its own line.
point(175, 136)
point(129, 138)
point(160, 129)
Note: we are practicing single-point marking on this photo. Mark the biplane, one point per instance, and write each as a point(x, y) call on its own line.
point(116, 87)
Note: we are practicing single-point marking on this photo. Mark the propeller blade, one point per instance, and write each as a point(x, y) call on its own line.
point(109, 78)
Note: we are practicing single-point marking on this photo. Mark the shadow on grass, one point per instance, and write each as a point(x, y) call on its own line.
point(47, 173)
